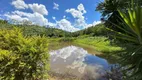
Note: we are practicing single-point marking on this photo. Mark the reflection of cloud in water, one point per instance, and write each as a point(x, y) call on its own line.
point(67, 53)
point(78, 64)
point(77, 60)
point(63, 53)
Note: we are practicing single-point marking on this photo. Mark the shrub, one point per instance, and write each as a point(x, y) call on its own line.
point(22, 57)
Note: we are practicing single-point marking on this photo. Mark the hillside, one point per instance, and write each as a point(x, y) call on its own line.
point(30, 30)
point(98, 30)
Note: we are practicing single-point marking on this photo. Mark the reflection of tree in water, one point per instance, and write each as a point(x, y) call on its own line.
point(115, 73)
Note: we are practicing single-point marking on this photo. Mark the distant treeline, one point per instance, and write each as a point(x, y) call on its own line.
point(29, 30)
point(98, 30)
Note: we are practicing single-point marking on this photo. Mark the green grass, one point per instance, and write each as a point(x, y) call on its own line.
point(101, 44)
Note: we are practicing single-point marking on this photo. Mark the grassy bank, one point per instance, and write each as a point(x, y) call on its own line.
point(101, 44)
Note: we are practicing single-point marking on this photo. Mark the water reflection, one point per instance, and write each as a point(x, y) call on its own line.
point(77, 61)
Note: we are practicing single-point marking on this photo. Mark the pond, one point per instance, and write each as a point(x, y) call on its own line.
point(78, 61)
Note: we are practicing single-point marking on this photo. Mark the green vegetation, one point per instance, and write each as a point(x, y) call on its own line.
point(126, 23)
point(101, 44)
point(22, 57)
point(132, 26)
point(98, 37)
point(24, 48)
point(109, 10)
point(30, 30)
point(98, 30)
point(57, 35)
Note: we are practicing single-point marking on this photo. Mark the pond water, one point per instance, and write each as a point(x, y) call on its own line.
point(77, 61)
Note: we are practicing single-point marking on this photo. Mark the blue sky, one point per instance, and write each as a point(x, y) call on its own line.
point(69, 15)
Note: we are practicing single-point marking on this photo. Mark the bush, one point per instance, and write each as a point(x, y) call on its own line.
point(22, 57)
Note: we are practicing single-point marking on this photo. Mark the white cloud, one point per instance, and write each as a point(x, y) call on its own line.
point(39, 8)
point(81, 8)
point(65, 25)
point(80, 22)
point(36, 18)
point(15, 17)
point(75, 13)
point(50, 24)
point(78, 15)
point(20, 13)
point(1, 17)
point(64, 16)
point(96, 22)
point(93, 24)
point(56, 6)
point(54, 18)
point(19, 4)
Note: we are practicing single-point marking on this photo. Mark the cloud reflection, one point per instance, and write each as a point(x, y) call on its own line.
point(77, 60)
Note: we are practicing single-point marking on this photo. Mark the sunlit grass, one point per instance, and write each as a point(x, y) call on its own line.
point(101, 44)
